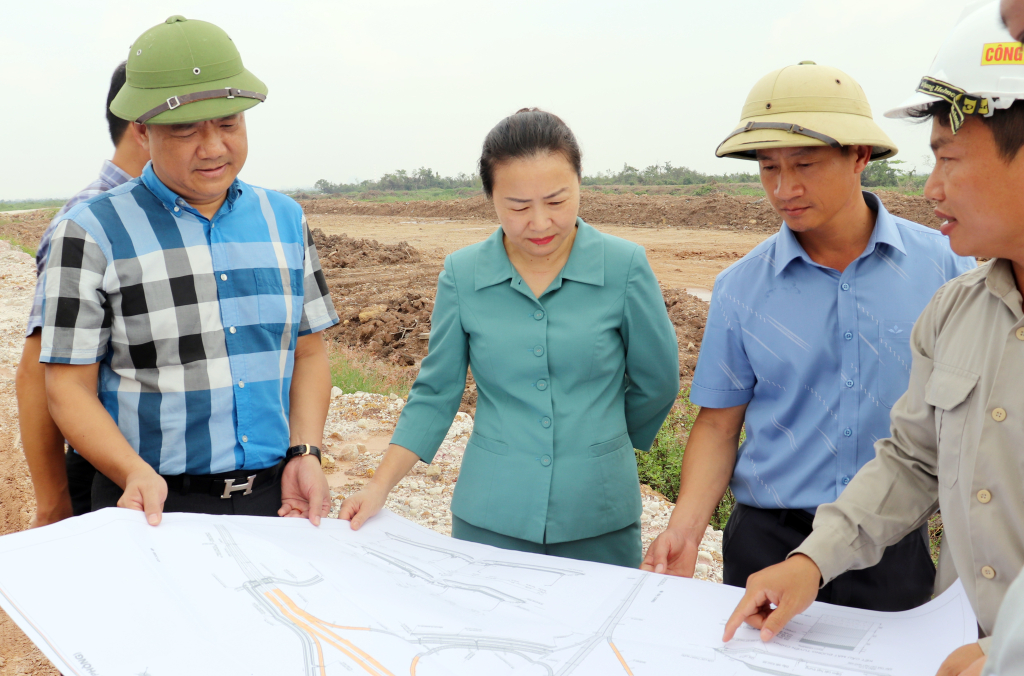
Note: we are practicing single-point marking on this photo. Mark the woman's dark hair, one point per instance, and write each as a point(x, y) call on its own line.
point(529, 132)
point(116, 125)
point(1007, 125)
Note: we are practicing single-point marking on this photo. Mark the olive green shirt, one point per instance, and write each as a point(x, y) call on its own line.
point(957, 443)
point(567, 384)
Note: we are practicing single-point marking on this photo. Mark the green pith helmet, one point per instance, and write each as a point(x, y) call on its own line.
point(185, 71)
point(806, 105)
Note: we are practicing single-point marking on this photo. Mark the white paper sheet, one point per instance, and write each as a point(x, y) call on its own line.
point(107, 594)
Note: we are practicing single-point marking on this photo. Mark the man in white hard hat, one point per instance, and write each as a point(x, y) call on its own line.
point(807, 343)
point(956, 433)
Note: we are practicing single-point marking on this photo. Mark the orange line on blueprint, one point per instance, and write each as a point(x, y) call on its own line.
point(412, 669)
point(310, 623)
point(622, 661)
point(320, 656)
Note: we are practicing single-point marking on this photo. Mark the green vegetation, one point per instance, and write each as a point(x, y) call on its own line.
point(30, 204)
point(18, 245)
point(353, 371)
point(888, 174)
point(402, 180)
point(665, 174)
point(659, 468)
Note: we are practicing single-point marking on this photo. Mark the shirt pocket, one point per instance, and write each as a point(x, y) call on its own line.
point(893, 360)
point(950, 390)
point(271, 301)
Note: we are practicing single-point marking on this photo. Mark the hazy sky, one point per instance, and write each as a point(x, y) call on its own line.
point(357, 89)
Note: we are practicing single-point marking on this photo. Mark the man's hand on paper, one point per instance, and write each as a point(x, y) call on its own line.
point(145, 491)
point(304, 490)
point(790, 586)
point(674, 552)
point(364, 504)
point(967, 660)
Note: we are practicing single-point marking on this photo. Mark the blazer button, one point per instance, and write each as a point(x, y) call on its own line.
point(542, 385)
point(546, 460)
point(988, 572)
point(545, 422)
point(999, 414)
point(984, 496)
point(1020, 333)
point(538, 315)
point(539, 350)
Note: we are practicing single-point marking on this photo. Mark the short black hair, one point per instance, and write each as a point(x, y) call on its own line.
point(528, 132)
point(1007, 124)
point(116, 125)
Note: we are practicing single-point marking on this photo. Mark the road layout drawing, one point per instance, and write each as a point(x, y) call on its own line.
point(106, 594)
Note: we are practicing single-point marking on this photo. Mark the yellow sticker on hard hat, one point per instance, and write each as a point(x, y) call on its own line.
point(961, 104)
point(1002, 54)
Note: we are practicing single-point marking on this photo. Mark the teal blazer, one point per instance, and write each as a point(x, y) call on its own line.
point(568, 384)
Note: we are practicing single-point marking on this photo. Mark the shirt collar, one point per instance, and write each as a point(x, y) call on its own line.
point(171, 199)
point(585, 264)
point(1000, 283)
point(112, 175)
point(787, 247)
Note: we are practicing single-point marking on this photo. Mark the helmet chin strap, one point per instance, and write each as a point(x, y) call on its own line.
point(784, 126)
point(176, 101)
point(961, 104)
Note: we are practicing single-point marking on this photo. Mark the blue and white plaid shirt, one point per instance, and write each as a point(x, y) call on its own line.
point(110, 176)
point(818, 356)
point(194, 321)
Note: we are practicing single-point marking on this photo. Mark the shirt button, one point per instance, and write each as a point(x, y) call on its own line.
point(999, 414)
point(847, 432)
point(846, 287)
point(849, 383)
point(546, 460)
point(538, 315)
point(984, 496)
point(846, 480)
point(539, 350)
point(241, 383)
point(177, 209)
point(1020, 333)
point(848, 335)
point(542, 385)
point(245, 439)
point(232, 329)
point(545, 422)
point(988, 572)
point(223, 278)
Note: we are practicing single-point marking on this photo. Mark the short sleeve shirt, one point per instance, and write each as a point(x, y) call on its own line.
point(818, 356)
point(193, 320)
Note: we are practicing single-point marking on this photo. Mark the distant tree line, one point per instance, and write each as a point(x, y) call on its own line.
point(421, 179)
point(881, 173)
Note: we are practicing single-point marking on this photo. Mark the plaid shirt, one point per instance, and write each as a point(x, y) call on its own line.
point(193, 321)
point(111, 176)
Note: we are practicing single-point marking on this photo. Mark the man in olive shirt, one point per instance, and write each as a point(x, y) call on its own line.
point(956, 434)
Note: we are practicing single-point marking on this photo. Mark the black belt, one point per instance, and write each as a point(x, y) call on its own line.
point(225, 484)
point(799, 520)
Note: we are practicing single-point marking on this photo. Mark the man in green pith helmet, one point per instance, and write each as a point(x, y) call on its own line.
point(807, 344)
point(183, 310)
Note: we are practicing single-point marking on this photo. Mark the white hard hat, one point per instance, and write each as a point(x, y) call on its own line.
point(979, 69)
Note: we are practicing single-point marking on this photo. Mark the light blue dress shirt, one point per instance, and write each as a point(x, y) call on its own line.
point(818, 356)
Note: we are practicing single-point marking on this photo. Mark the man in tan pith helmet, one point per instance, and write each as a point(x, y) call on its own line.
point(806, 343)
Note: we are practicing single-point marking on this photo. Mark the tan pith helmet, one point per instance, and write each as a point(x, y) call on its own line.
point(806, 105)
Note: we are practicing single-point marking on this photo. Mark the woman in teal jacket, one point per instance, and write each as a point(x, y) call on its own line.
point(575, 360)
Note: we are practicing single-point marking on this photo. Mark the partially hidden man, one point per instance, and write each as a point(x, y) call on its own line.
point(182, 310)
point(807, 343)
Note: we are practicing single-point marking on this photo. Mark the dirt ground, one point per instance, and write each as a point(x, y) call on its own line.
point(381, 262)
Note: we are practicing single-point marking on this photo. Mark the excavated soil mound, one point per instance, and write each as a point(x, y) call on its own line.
point(689, 314)
point(398, 328)
point(716, 210)
point(342, 251)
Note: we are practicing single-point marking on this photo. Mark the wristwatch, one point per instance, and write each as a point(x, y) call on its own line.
point(300, 450)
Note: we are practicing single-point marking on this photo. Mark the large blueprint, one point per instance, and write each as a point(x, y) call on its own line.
point(107, 594)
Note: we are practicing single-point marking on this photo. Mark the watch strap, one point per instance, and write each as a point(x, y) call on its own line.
point(300, 450)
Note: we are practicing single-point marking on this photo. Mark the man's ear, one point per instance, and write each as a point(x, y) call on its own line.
point(140, 133)
point(863, 154)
